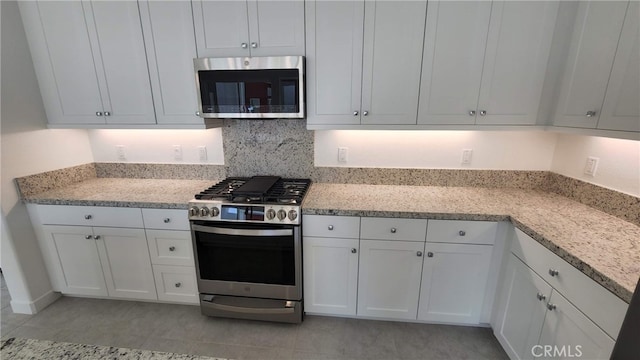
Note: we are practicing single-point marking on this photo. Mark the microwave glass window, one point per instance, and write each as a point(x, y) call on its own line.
point(250, 91)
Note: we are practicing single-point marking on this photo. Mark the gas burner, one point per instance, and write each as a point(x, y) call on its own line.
point(257, 190)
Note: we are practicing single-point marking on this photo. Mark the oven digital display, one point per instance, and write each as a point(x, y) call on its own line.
point(233, 212)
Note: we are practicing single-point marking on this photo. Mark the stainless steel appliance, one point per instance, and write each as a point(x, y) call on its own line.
point(251, 87)
point(248, 248)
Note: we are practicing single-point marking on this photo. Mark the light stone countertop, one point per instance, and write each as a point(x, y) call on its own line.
point(603, 247)
point(143, 193)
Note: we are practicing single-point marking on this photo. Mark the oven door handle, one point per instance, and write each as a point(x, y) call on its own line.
point(250, 310)
point(242, 232)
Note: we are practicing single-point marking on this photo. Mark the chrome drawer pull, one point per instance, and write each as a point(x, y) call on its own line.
point(393, 230)
point(553, 272)
point(88, 217)
point(167, 220)
point(172, 248)
point(178, 285)
point(551, 306)
point(462, 233)
point(353, 251)
point(330, 227)
point(541, 296)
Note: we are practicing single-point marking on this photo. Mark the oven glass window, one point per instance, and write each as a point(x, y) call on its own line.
point(243, 258)
point(250, 91)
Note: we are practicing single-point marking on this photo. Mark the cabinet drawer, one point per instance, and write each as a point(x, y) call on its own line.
point(393, 229)
point(170, 247)
point(462, 232)
point(176, 283)
point(165, 219)
point(600, 305)
point(90, 216)
point(331, 226)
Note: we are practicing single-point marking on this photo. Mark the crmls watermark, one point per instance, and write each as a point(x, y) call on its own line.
point(564, 351)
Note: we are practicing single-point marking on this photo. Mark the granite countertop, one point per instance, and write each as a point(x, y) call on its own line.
point(144, 193)
point(603, 247)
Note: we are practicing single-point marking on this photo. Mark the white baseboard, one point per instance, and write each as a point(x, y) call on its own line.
point(33, 307)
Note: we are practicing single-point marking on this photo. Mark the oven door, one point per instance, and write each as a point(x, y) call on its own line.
point(250, 260)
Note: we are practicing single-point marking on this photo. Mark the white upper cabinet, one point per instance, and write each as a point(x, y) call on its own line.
point(363, 62)
point(592, 50)
point(621, 109)
point(90, 61)
point(171, 47)
point(485, 63)
point(249, 28)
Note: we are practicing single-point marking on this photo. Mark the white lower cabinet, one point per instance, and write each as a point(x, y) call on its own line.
point(547, 309)
point(454, 279)
point(125, 262)
point(389, 278)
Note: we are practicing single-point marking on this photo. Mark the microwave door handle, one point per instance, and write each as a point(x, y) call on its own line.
point(242, 232)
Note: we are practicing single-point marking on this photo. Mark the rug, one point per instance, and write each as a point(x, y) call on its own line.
point(23, 349)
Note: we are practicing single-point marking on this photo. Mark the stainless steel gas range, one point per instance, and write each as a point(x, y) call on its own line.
point(248, 248)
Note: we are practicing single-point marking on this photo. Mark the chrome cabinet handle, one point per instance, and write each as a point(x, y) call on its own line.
point(88, 237)
point(472, 113)
point(243, 45)
point(591, 114)
point(353, 250)
point(178, 284)
point(254, 45)
point(483, 112)
point(365, 113)
point(98, 113)
point(553, 272)
point(88, 217)
point(172, 248)
point(462, 233)
point(97, 237)
point(393, 230)
point(330, 227)
point(551, 306)
point(541, 296)
point(107, 113)
point(167, 220)
point(429, 254)
point(355, 113)
point(419, 253)
point(197, 113)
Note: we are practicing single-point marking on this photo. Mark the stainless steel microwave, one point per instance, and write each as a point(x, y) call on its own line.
point(251, 87)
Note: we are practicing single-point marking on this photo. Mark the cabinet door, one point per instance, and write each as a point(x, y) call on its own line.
point(171, 47)
point(522, 308)
point(61, 52)
point(392, 61)
point(121, 61)
point(515, 61)
point(455, 42)
point(276, 28)
point(621, 109)
point(454, 279)
point(593, 45)
point(571, 333)
point(125, 261)
point(76, 250)
point(389, 282)
point(221, 28)
point(334, 35)
point(330, 275)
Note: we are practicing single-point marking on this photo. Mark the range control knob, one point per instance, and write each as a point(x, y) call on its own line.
point(293, 215)
point(215, 211)
point(193, 211)
point(204, 211)
point(282, 214)
point(271, 214)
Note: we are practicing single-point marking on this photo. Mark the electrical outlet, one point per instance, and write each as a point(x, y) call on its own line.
point(177, 152)
point(466, 156)
point(343, 154)
point(120, 153)
point(591, 166)
point(202, 153)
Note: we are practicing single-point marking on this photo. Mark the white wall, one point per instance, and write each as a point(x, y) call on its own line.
point(156, 146)
point(618, 167)
point(437, 149)
point(27, 147)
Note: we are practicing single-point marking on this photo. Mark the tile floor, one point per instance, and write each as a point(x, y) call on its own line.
point(182, 329)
